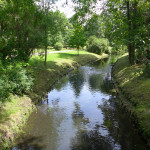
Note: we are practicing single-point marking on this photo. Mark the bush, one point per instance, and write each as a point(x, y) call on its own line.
point(147, 70)
point(14, 79)
point(108, 51)
point(98, 46)
point(58, 46)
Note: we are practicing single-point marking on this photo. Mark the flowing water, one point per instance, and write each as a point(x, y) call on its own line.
point(81, 113)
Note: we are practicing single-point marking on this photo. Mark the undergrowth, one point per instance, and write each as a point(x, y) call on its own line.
point(14, 79)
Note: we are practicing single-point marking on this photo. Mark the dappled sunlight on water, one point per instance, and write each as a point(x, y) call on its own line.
point(81, 113)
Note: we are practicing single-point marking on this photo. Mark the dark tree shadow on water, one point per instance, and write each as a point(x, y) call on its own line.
point(84, 139)
point(30, 143)
point(119, 126)
point(90, 140)
point(77, 81)
point(80, 121)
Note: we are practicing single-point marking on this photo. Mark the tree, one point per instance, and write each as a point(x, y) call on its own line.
point(95, 26)
point(20, 29)
point(60, 28)
point(45, 6)
point(78, 38)
point(126, 23)
point(127, 20)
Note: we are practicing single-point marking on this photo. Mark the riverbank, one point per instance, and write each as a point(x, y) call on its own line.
point(57, 66)
point(15, 112)
point(134, 87)
point(13, 115)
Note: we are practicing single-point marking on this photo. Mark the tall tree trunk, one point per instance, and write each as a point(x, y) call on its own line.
point(45, 47)
point(134, 31)
point(2, 28)
point(78, 50)
point(45, 55)
point(129, 31)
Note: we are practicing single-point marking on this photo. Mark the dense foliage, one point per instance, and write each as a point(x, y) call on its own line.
point(14, 79)
point(58, 46)
point(78, 38)
point(98, 45)
point(126, 24)
point(26, 26)
point(20, 28)
point(95, 26)
point(60, 28)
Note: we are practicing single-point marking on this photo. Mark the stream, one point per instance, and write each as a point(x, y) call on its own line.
point(81, 113)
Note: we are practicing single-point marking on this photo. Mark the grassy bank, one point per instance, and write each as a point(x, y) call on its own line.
point(14, 113)
point(135, 86)
point(57, 65)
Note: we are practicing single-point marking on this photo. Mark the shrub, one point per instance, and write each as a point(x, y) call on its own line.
point(108, 50)
point(147, 70)
point(58, 46)
point(14, 79)
point(98, 46)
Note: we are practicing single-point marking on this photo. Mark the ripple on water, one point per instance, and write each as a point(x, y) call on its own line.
point(80, 113)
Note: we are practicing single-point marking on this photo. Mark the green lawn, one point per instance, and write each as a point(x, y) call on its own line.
point(56, 56)
point(51, 49)
point(63, 57)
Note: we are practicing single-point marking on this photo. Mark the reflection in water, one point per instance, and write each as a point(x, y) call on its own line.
point(81, 114)
point(115, 122)
point(95, 82)
point(78, 117)
point(28, 144)
point(77, 80)
point(43, 122)
point(90, 140)
point(61, 84)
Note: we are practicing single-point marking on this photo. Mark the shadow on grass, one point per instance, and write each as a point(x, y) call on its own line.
point(4, 116)
point(36, 61)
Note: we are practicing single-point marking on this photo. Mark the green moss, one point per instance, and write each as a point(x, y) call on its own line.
point(136, 87)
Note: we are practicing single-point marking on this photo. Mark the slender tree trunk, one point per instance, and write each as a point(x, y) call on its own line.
point(2, 29)
point(132, 54)
point(134, 31)
point(45, 55)
point(45, 47)
point(78, 50)
point(129, 31)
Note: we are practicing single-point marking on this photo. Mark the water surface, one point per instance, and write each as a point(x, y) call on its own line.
point(81, 113)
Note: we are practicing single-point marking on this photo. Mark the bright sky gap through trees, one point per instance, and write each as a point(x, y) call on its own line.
point(67, 6)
